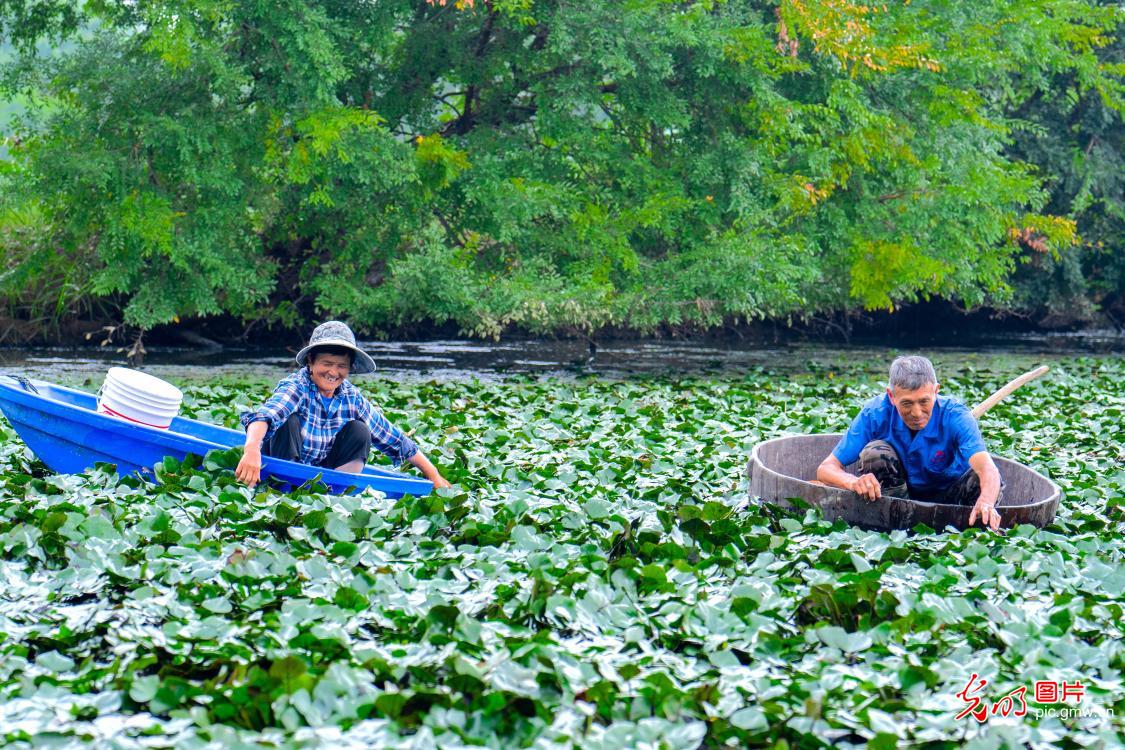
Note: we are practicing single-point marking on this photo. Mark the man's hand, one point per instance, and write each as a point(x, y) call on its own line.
point(832, 473)
point(867, 487)
point(985, 508)
point(989, 516)
point(429, 471)
point(249, 469)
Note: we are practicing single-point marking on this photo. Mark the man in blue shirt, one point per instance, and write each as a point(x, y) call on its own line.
point(910, 442)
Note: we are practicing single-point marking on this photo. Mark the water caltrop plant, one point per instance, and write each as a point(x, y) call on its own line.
point(596, 578)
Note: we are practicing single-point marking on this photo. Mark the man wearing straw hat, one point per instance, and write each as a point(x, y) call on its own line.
point(910, 442)
point(315, 416)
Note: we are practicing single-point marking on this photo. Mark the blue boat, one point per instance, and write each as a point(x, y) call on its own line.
point(63, 428)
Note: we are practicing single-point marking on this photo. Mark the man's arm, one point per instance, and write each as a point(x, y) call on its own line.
point(249, 469)
point(394, 443)
point(833, 473)
point(989, 476)
point(386, 437)
point(269, 416)
point(428, 470)
point(278, 407)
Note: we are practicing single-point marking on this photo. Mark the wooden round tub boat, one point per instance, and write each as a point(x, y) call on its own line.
point(782, 469)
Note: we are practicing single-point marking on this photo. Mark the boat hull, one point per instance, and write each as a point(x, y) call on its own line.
point(781, 469)
point(62, 427)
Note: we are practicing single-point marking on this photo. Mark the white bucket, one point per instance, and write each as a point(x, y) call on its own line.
point(139, 397)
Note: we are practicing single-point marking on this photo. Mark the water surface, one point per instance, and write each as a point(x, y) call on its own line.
point(463, 359)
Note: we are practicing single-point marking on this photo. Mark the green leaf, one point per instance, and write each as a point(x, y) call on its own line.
point(750, 719)
point(54, 661)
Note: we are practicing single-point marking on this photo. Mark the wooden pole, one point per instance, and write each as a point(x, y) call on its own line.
point(1004, 392)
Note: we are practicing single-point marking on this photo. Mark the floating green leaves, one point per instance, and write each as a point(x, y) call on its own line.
point(597, 578)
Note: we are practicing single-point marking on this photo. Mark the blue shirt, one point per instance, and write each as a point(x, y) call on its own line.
point(934, 458)
point(322, 419)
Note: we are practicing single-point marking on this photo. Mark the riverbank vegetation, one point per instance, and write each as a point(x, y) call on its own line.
point(597, 578)
point(550, 166)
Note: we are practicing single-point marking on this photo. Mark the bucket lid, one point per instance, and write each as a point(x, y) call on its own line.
point(154, 387)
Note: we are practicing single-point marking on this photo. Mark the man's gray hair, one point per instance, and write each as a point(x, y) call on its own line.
point(911, 373)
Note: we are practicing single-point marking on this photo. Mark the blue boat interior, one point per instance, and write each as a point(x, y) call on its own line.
point(60, 409)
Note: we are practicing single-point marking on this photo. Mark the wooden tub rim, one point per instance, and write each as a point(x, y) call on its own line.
point(756, 464)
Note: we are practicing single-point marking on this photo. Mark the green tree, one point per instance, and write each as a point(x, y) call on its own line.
point(539, 164)
point(1078, 142)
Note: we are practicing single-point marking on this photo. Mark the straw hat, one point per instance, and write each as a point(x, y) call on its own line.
point(335, 333)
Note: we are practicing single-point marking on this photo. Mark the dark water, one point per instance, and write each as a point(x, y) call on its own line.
point(457, 359)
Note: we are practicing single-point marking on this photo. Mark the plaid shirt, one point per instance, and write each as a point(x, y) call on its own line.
point(319, 425)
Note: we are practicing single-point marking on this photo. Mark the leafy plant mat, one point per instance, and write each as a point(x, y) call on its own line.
point(597, 578)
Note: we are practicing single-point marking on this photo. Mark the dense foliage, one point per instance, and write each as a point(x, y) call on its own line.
point(550, 165)
point(1079, 146)
point(597, 578)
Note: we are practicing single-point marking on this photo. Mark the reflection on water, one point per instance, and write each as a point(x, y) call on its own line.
point(454, 359)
